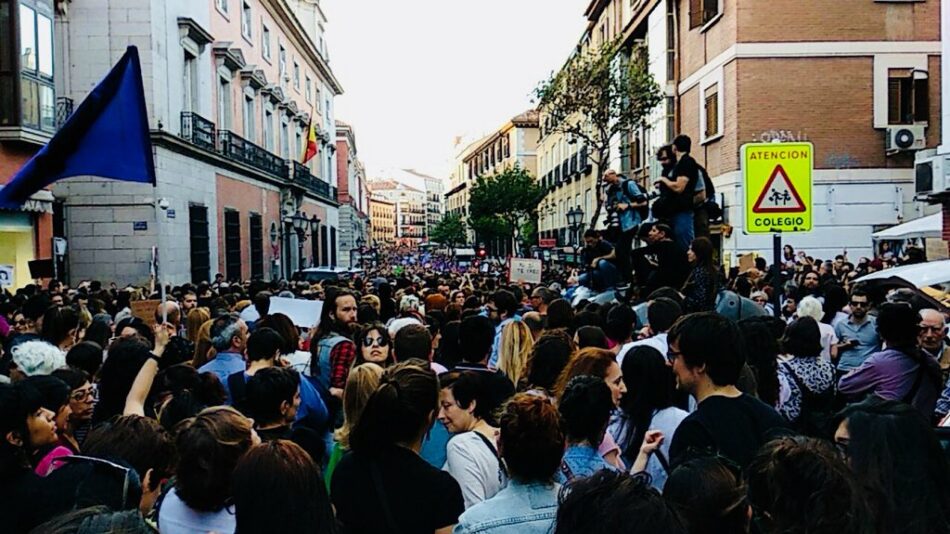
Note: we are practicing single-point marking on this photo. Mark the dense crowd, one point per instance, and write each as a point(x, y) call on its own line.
point(431, 397)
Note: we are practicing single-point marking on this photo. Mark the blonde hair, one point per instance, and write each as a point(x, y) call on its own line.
point(360, 384)
point(196, 318)
point(373, 301)
point(516, 345)
point(204, 350)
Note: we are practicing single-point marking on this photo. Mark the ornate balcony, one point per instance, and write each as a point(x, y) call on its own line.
point(197, 130)
point(239, 149)
point(303, 178)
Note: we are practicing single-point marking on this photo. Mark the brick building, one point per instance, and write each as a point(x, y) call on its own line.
point(846, 76)
point(409, 210)
point(352, 193)
point(231, 86)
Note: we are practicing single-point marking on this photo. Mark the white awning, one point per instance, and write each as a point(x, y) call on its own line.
point(929, 226)
point(39, 202)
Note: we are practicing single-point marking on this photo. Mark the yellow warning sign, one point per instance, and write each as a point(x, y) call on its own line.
point(777, 179)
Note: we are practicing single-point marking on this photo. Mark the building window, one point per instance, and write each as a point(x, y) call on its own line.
point(224, 103)
point(314, 250)
point(199, 244)
point(332, 247)
point(38, 108)
point(282, 63)
point(907, 96)
point(269, 130)
point(249, 117)
point(265, 41)
point(308, 89)
point(246, 20)
point(284, 138)
point(324, 245)
point(702, 11)
point(222, 5)
point(190, 83)
point(298, 146)
point(232, 245)
point(256, 234)
point(711, 120)
point(296, 75)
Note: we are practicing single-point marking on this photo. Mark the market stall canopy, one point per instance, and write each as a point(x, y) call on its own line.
point(927, 227)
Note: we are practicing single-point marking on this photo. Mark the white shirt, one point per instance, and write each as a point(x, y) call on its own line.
point(658, 342)
point(474, 466)
point(176, 517)
point(828, 338)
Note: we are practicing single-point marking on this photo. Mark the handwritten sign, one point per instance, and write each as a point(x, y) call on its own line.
point(6, 275)
point(525, 269)
point(304, 313)
point(145, 310)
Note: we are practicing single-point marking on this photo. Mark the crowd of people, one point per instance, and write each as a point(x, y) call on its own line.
point(430, 400)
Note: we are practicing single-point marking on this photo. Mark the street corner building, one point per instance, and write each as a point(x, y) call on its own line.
point(233, 89)
point(866, 93)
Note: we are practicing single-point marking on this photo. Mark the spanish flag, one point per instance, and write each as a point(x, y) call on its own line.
point(311, 149)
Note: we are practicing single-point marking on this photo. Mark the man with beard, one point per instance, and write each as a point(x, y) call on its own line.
point(679, 184)
point(858, 335)
point(332, 350)
point(811, 286)
point(707, 355)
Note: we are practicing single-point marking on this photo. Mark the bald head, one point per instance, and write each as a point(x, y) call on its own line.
point(933, 331)
point(171, 309)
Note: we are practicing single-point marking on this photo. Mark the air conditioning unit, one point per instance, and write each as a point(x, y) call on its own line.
point(931, 173)
point(903, 138)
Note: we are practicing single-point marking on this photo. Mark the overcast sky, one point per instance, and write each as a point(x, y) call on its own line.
point(418, 73)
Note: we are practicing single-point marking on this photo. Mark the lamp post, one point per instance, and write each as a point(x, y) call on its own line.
point(360, 243)
point(314, 228)
point(575, 221)
point(300, 223)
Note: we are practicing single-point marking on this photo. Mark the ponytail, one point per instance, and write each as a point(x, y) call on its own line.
point(399, 410)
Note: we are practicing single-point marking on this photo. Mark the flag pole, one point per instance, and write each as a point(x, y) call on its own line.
point(157, 256)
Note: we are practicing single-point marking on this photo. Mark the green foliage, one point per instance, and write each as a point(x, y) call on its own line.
point(450, 231)
point(599, 94)
point(502, 202)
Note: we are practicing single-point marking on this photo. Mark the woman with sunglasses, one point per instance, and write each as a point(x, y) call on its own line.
point(375, 346)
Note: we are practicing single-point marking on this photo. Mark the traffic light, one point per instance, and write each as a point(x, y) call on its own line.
point(481, 251)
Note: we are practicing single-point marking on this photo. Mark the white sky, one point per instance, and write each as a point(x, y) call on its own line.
point(418, 73)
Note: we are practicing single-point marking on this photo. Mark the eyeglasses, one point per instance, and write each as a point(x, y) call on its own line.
point(859, 304)
point(381, 341)
point(672, 355)
point(83, 394)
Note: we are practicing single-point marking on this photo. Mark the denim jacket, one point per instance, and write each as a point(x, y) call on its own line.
point(518, 509)
point(581, 461)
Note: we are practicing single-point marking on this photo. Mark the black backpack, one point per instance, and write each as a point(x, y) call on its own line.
point(643, 211)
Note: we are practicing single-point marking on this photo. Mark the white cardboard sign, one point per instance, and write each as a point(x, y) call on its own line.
point(525, 269)
point(304, 313)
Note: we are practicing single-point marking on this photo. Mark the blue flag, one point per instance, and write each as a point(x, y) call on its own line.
point(107, 137)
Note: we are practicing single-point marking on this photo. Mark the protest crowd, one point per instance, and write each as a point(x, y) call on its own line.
point(432, 397)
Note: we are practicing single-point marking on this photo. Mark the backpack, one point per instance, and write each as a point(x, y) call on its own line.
point(708, 201)
point(643, 211)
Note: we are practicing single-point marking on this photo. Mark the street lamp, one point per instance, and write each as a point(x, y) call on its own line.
point(360, 243)
point(300, 223)
point(575, 220)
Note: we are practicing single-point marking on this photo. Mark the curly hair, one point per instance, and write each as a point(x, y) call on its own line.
point(799, 484)
point(531, 436)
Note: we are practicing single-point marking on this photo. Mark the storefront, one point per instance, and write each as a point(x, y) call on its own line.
point(25, 235)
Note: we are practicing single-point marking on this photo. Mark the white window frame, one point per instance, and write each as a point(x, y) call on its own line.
point(281, 64)
point(267, 129)
point(882, 65)
point(248, 107)
point(713, 79)
point(225, 102)
point(247, 22)
point(308, 89)
point(222, 7)
point(265, 42)
point(190, 91)
point(296, 75)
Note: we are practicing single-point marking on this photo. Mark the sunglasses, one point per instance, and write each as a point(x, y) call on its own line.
point(369, 340)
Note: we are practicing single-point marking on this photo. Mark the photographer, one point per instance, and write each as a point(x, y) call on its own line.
point(625, 200)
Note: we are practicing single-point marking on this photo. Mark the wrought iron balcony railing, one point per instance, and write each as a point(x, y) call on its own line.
point(197, 130)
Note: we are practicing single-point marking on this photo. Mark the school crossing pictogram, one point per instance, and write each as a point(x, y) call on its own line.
point(779, 195)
